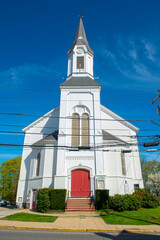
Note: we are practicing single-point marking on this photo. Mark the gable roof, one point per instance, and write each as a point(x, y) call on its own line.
point(53, 137)
point(80, 81)
point(118, 118)
point(40, 119)
point(109, 137)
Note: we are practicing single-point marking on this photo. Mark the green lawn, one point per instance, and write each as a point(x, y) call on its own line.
point(27, 217)
point(141, 217)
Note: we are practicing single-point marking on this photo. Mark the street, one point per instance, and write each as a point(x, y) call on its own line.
point(6, 234)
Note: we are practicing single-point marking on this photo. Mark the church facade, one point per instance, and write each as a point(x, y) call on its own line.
point(80, 145)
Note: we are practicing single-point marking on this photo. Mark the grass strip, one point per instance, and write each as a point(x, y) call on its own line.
point(140, 217)
point(28, 217)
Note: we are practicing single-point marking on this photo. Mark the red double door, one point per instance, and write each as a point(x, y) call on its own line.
point(80, 183)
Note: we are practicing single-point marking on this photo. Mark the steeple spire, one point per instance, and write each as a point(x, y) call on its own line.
point(80, 56)
point(80, 38)
point(80, 34)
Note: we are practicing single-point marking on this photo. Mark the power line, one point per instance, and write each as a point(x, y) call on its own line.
point(70, 117)
point(115, 129)
point(64, 146)
point(51, 90)
point(48, 100)
point(69, 148)
point(66, 134)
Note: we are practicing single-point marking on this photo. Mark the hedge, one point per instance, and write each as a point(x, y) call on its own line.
point(43, 200)
point(102, 198)
point(125, 202)
point(130, 202)
point(49, 199)
point(147, 200)
point(58, 198)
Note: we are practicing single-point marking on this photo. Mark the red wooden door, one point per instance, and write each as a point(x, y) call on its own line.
point(80, 183)
point(34, 200)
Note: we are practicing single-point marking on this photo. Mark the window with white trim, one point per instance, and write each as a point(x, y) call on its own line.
point(80, 62)
point(123, 164)
point(80, 130)
point(85, 130)
point(75, 130)
point(38, 164)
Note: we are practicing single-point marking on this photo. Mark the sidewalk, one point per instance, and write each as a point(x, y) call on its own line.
point(77, 221)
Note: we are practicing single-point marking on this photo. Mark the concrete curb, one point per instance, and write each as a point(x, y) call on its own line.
point(81, 230)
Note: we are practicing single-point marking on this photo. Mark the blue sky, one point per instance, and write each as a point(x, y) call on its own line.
point(35, 38)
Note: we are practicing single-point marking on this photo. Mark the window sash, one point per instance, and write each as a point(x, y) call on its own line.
point(85, 130)
point(75, 130)
point(38, 164)
point(123, 164)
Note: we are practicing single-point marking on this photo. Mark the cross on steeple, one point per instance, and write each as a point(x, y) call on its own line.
point(80, 15)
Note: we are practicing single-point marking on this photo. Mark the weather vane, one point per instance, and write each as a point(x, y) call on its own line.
point(80, 15)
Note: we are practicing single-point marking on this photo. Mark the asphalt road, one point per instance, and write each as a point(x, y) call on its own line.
point(6, 234)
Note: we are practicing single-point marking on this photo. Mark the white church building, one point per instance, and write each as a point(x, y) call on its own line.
point(80, 145)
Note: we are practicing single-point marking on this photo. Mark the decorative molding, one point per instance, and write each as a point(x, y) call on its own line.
point(79, 158)
point(80, 166)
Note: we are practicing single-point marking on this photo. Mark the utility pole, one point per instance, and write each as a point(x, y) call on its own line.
point(153, 100)
point(158, 95)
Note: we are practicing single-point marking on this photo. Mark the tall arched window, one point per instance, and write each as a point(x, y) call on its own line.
point(85, 129)
point(38, 163)
point(123, 164)
point(75, 130)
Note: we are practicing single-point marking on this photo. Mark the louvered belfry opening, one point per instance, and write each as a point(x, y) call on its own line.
point(75, 130)
point(80, 62)
point(85, 129)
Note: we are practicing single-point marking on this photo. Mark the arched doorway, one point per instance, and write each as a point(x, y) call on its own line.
point(80, 183)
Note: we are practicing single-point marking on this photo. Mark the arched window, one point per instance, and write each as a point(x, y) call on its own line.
point(85, 129)
point(38, 163)
point(75, 130)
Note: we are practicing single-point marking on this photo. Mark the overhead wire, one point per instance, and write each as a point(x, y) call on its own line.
point(48, 100)
point(66, 134)
point(70, 117)
point(45, 127)
point(51, 90)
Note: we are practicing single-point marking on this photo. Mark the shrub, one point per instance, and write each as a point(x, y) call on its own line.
point(102, 198)
point(147, 200)
point(51, 199)
point(58, 199)
point(43, 200)
point(125, 202)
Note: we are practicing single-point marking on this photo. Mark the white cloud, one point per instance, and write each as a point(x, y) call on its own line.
point(27, 73)
point(149, 50)
point(135, 58)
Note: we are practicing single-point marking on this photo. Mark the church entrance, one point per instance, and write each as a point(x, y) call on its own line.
point(80, 183)
point(34, 200)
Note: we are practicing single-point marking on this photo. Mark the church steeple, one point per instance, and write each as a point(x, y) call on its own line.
point(80, 56)
point(80, 38)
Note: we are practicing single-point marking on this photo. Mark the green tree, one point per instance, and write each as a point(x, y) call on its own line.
point(153, 183)
point(149, 167)
point(9, 176)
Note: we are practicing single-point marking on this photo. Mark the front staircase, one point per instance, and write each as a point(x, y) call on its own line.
point(80, 204)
